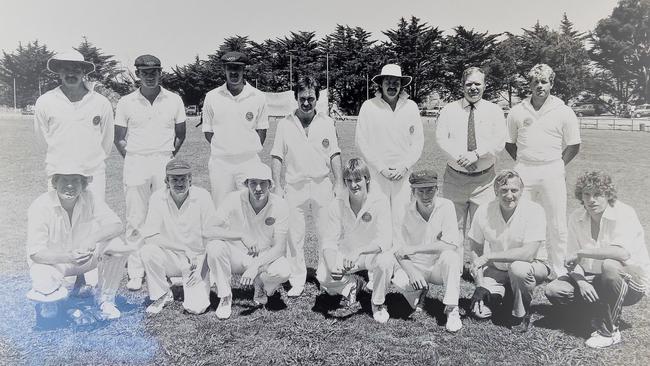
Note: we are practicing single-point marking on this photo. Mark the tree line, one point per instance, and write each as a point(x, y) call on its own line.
point(608, 65)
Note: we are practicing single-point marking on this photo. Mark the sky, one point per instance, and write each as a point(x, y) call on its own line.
point(177, 31)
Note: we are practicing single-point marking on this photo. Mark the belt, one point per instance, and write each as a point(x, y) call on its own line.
point(472, 174)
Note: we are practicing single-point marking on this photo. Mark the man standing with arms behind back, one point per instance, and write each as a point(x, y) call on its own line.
point(538, 128)
point(235, 121)
point(149, 129)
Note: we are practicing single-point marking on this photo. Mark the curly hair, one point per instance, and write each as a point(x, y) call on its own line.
point(504, 176)
point(596, 182)
point(540, 71)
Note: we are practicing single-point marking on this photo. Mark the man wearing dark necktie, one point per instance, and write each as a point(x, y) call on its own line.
point(471, 131)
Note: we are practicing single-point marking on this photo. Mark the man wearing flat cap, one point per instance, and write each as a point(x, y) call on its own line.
point(149, 130)
point(427, 248)
point(75, 123)
point(235, 121)
point(390, 138)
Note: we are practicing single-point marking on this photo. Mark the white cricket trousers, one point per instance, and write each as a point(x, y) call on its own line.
point(227, 174)
point(398, 194)
point(545, 183)
point(47, 278)
point(226, 258)
point(143, 174)
point(311, 195)
point(161, 263)
point(443, 271)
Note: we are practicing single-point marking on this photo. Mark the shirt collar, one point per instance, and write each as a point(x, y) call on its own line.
point(246, 91)
point(190, 197)
point(610, 213)
point(163, 94)
point(465, 103)
point(247, 203)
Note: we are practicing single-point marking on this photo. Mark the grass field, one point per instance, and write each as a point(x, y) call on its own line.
point(299, 331)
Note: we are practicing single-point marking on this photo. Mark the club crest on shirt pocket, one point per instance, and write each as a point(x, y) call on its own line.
point(366, 217)
point(249, 116)
point(412, 129)
point(326, 143)
point(97, 120)
point(528, 121)
point(269, 221)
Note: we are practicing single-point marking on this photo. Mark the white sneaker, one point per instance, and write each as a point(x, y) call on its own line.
point(259, 294)
point(380, 313)
point(481, 311)
point(224, 310)
point(109, 310)
point(295, 291)
point(453, 320)
point(599, 341)
point(134, 284)
point(419, 302)
point(159, 304)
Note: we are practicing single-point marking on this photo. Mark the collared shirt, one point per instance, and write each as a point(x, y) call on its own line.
point(489, 127)
point(619, 226)
point(526, 225)
point(540, 135)
point(442, 225)
point(185, 229)
point(266, 226)
point(50, 227)
point(346, 231)
point(387, 138)
point(150, 126)
point(307, 156)
point(78, 133)
point(234, 119)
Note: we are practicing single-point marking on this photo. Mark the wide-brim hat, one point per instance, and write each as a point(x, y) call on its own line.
point(57, 61)
point(392, 70)
point(71, 169)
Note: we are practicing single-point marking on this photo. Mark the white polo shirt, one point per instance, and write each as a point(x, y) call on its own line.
point(150, 126)
point(234, 119)
point(540, 135)
point(527, 224)
point(619, 226)
point(79, 133)
point(388, 138)
point(185, 229)
point(345, 231)
point(306, 156)
point(417, 231)
point(49, 226)
point(489, 127)
point(237, 214)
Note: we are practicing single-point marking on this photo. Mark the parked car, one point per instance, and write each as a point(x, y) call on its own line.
point(28, 109)
point(642, 110)
point(434, 112)
point(586, 110)
point(192, 110)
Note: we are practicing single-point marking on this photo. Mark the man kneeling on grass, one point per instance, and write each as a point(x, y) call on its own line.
point(607, 257)
point(505, 236)
point(262, 221)
point(428, 247)
point(358, 236)
point(71, 233)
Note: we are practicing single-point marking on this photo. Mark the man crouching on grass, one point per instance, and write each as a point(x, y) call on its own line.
point(70, 233)
point(607, 257)
point(358, 236)
point(259, 221)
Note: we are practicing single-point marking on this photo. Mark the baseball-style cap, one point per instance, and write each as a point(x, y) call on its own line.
point(234, 57)
point(178, 167)
point(423, 178)
point(144, 62)
point(56, 62)
point(259, 171)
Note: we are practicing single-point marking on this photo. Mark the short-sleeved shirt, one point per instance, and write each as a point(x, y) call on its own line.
point(490, 131)
point(78, 133)
point(527, 224)
point(307, 156)
point(50, 227)
point(619, 226)
point(183, 230)
point(237, 214)
point(346, 231)
point(234, 120)
point(150, 126)
point(442, 225)
point(540, 135)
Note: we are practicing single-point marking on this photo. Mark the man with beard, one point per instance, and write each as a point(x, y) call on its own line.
point(259, 223)
point(505, 237)
point(390, 138)
point(149, 130)
point(74, 122)
point(538, 128)
point(235, 121)
point(471, 131)
point(307, 142)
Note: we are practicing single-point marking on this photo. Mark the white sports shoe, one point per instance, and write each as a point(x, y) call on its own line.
point(380, 313)
point(224, 310)
point(295, 291)
point(109, 310)
point(134, 284)
point(419, 302)
point(599, 341)
point(259, 294)
point(481, 311)
point(453, 320)
point(159, 304)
